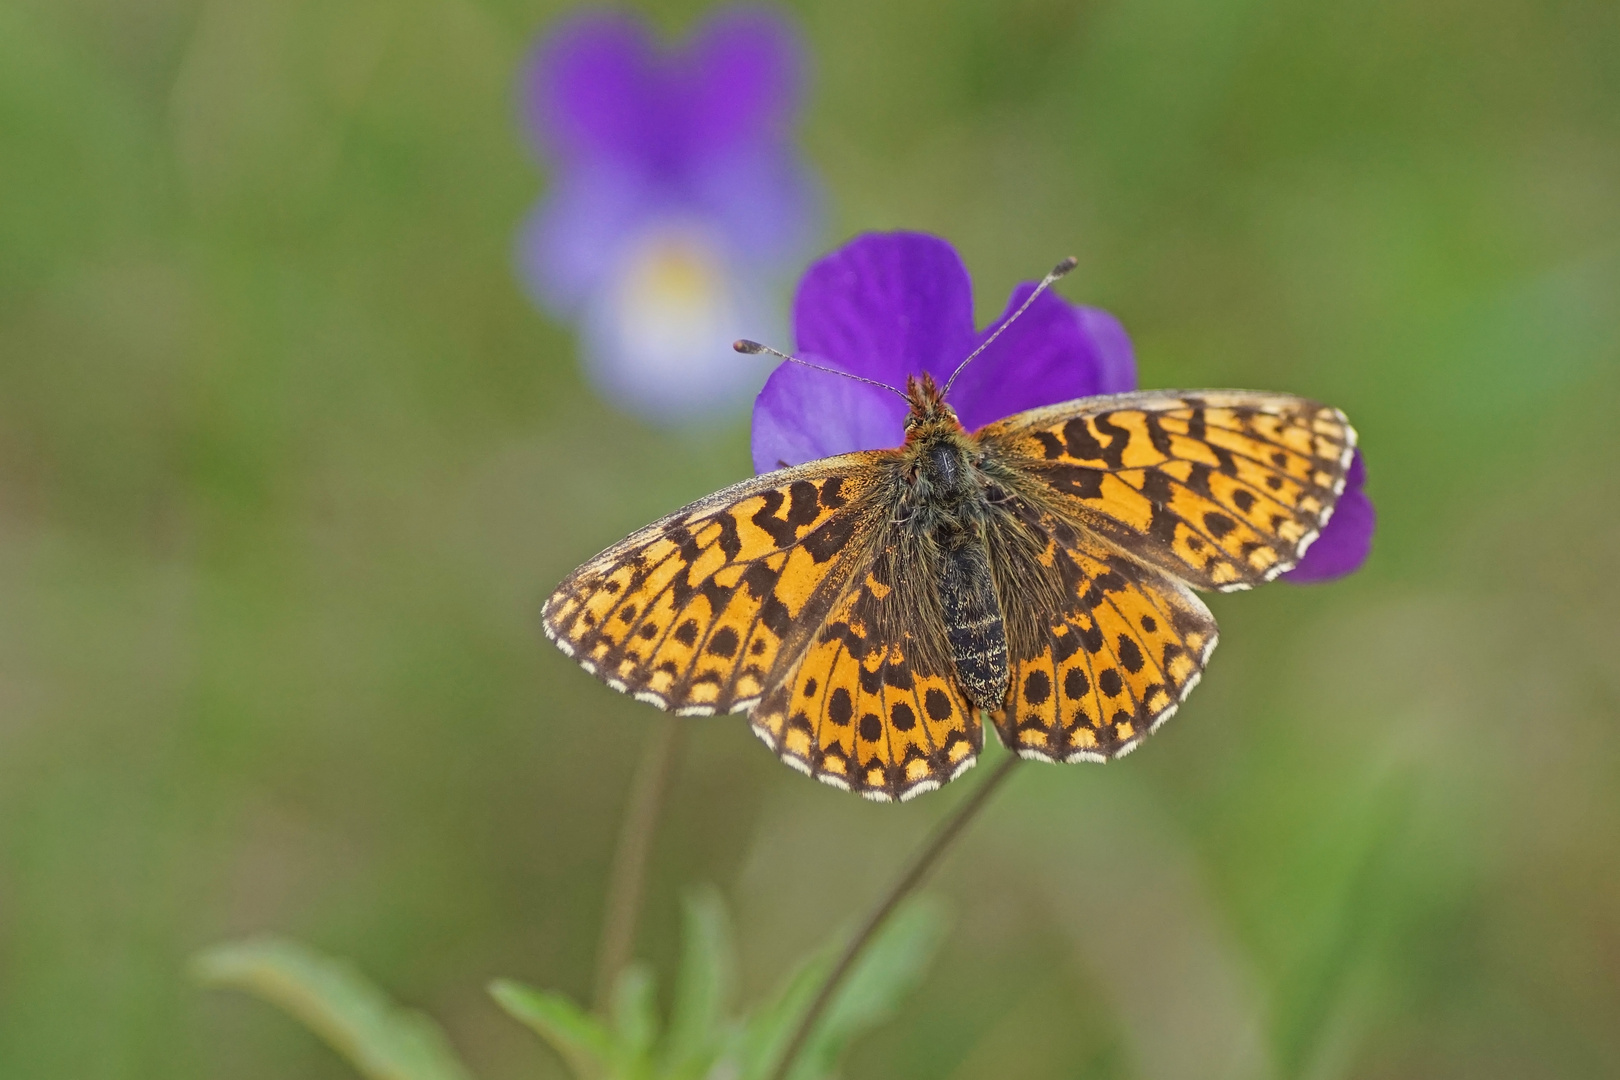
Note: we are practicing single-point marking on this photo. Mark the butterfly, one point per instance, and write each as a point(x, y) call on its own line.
point(867, 609)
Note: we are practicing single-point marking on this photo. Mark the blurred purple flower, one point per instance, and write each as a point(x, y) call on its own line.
point(888, 305)
point(678, 203)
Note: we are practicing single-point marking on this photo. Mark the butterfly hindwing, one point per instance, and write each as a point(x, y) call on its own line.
point(694, 612)
point(1222, 489)
point(1101, 648)
point(873, 706)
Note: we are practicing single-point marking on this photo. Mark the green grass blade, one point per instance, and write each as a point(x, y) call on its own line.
point(579, 1038)
point(379, 1038)
point(702, 986)
point(891, 967)
point(635, 1014)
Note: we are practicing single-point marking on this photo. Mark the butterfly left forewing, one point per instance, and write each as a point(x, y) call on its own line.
point(694, 612)
point(1223, 489)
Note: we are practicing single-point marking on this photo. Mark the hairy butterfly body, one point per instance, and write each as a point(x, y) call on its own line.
point(866, 609)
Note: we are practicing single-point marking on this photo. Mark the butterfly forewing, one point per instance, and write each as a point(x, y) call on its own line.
point(694, 613)
point(1222, 489)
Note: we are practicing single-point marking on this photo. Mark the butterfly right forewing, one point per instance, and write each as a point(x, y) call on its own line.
point(1222, 489)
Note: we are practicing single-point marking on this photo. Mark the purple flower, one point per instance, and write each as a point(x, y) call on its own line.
point(888, 305)
point(678, 203)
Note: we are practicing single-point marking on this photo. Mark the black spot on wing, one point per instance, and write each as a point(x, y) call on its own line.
point(830, 538)
point(759, 580)
point(1083, 445)
point(780, 532)
point(1065, 644)
point(839, 707)
point(724, 642)
point(1130, 654)
point(830, 496)
point(804, 504)
point(1159, 437)
point(1077, 480)
point(1037, 688)
point(775, 616)
point(1075, 684)
point(730, 543)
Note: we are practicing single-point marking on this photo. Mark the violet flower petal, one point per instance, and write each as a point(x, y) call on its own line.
point(892, 304)
point(884, 306)
point(802, 415)
point(576, 239)
point(745, 69)
point(765, 202)
point(1056, 351)
point(1347, 540)
point(593, 90)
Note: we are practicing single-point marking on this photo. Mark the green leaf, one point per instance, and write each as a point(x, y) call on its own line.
point(887, 971)
point(765, 1035)
point(635, 1014)
point(708, 964)
point(890, 969)
point(380, 1039)
point(579, 1038)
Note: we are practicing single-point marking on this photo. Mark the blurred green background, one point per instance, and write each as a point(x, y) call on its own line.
point(287, 464)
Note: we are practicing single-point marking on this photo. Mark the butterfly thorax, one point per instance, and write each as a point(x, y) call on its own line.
point(944, 511)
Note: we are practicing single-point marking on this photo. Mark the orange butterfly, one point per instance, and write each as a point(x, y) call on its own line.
point(864, 609)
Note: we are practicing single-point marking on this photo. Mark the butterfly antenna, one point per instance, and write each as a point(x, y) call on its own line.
point(1046, 282)
point(753, 348)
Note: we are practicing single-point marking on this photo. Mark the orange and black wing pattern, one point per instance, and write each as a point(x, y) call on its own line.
point(1222, 489)
point(701, 612)
point(1101, 648)
point(874, 706)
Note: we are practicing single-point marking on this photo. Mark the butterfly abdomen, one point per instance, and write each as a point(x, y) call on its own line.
point(973, 625)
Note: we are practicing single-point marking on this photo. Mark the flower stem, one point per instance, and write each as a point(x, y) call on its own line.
point(624, 893)
point(921, 863)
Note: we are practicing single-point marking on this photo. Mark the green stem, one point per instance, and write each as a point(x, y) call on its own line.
point(921, 864)
point(625, 887)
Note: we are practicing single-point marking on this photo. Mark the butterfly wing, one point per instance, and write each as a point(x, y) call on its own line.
point(1101, 648)
point(1222, 489)
point(695, 612)
point(873, 706)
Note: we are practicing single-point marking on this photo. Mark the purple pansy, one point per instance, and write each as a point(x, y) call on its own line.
point(888, 305)
point(678, 205)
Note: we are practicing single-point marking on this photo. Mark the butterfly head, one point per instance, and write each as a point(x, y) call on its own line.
point(928, 414)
